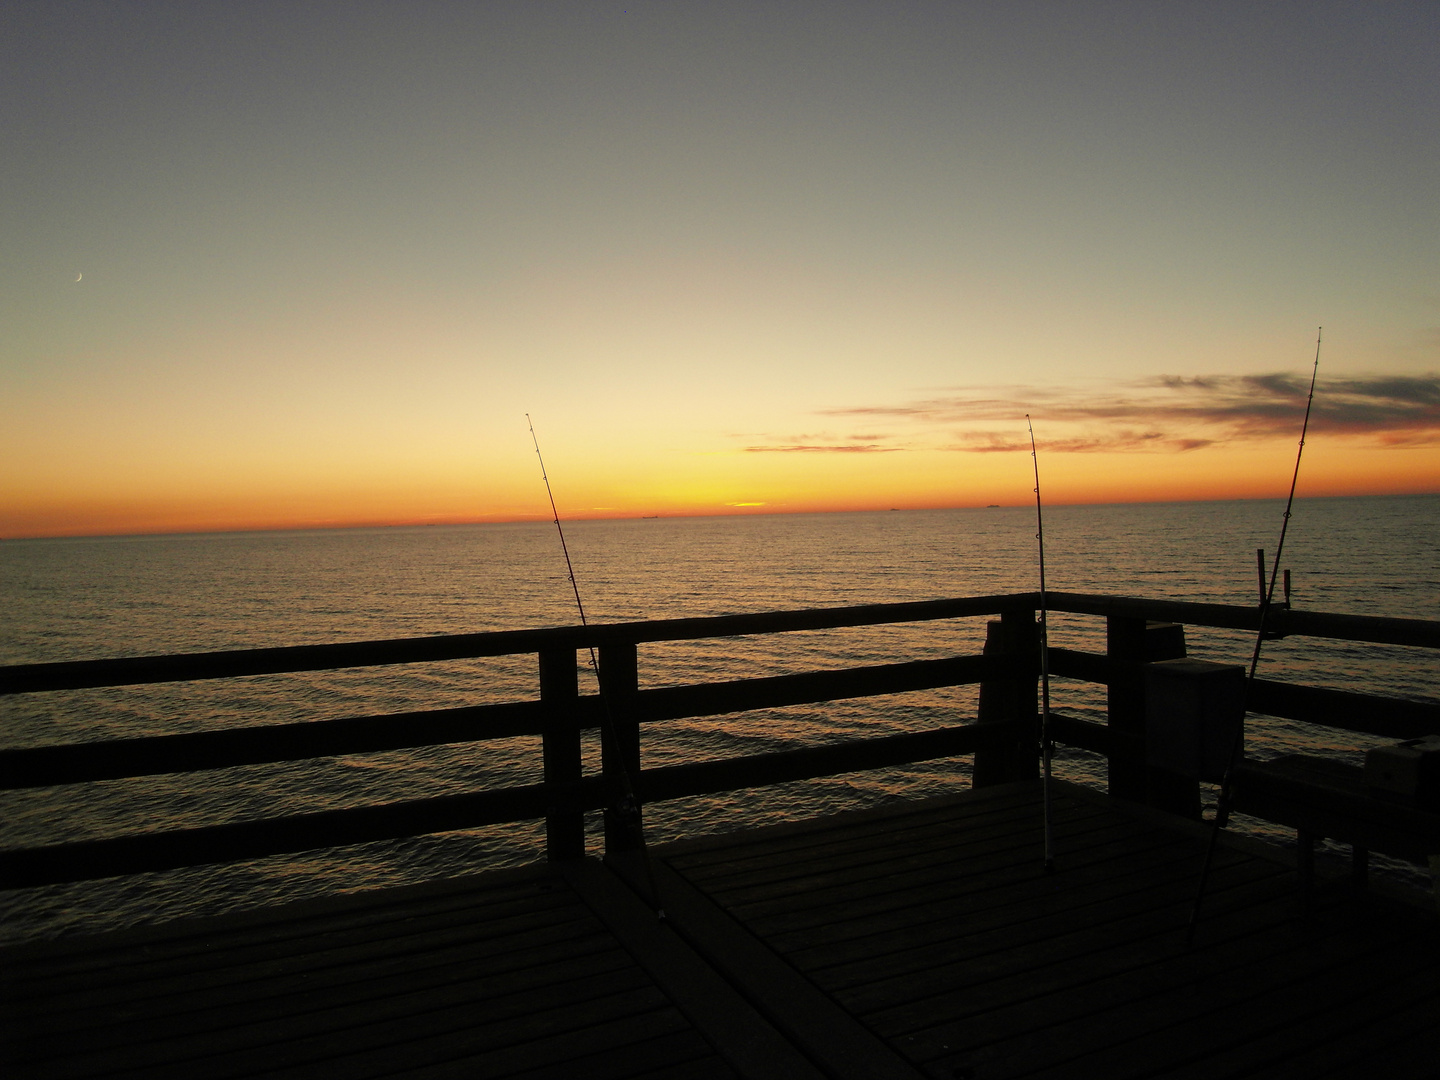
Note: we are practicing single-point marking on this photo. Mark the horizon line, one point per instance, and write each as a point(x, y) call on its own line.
point(541, 518)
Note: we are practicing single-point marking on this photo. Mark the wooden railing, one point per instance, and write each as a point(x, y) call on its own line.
point(1002, 737)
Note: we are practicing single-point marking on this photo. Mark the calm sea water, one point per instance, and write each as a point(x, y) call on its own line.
point(128, 596)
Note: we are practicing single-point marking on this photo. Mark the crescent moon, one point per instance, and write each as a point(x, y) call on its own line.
point(78, 275)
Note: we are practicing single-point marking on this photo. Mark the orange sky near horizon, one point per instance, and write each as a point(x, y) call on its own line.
point(723, 486)
point(279, 266)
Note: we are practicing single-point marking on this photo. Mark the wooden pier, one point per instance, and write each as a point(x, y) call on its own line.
point(924, 939)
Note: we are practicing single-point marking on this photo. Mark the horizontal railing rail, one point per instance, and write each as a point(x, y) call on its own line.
point(1371, 629)
point(235, 841)
point(48, 766)
point(182, 667)
point(561, 714)
point(131, 671)
point(1345, 710)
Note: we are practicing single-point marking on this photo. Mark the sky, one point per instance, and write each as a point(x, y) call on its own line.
point(277, 264)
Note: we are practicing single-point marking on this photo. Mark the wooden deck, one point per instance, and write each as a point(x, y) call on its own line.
point(919, 940)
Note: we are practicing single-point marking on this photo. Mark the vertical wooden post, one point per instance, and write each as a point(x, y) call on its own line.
point(1015, 638)
point(560, 696)
point(1133, 642)
point(620, 745)
point(1125, 701)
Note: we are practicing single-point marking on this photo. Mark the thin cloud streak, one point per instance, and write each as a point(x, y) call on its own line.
point(1177, 414)
point(814, 448)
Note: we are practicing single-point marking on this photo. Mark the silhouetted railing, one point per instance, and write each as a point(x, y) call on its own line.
point(1002, 738)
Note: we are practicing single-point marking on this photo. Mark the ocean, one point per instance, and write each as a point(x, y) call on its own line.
point(85, 598)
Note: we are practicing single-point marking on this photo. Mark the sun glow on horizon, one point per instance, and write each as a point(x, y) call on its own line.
point(935, 481)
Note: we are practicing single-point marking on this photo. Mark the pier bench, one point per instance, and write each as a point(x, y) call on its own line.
point(1320, 797)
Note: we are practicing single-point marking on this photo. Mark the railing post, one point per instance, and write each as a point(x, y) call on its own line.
point(1125, 702)
point(560, 694)
point(1133, 642)
point(1016, 639)
point(620, 744)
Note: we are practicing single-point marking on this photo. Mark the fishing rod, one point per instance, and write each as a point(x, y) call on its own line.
point(1046, 746)
point(1222, 802)
point(569, 566)
point(629, 804)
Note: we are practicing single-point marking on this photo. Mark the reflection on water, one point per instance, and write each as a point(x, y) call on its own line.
point(70, 599)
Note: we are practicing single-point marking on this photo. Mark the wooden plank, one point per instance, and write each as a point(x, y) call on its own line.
point(176, 1023)
point(973, 973)
point(817, 915)
point(813, 923)
point(829, 853)
point(1391, 718)
point(298, 918)
point(72, 763)
point(1356, 1038)
point(237, 841)
point(619, 679)
point(501, 946)
point(1010, 697)
point(893, 821)
point(483, 1048)
point(560, 750)
point(682, 1055)
point(712, 1068)
point(1422, 633)
point(1157, 986)
point(731, 774)
point(1409, 1058)
point(929, 856)
point(502, 935)
point(571, 1054)
point(1196, 1018)
point(828, 1036)
point(278, 933)
point(809, 687)
point(130, 671)
point(1355, 1023)
point(837, 884)
point(975, 1025)
point(991, 913)
point(1078, 664)
point(749, 1042)
point(1241, 887)
point(1011, 998)
point(44, 766)
point(1329, 798)
point(1403, 1047)
point(1084, 734)
point(695, 856)
point(581, 1004)
point(1088, 914)
point(394, 1029)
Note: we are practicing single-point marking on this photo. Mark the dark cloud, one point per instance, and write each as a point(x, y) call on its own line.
point(1177, 413)
point(1389, 409)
